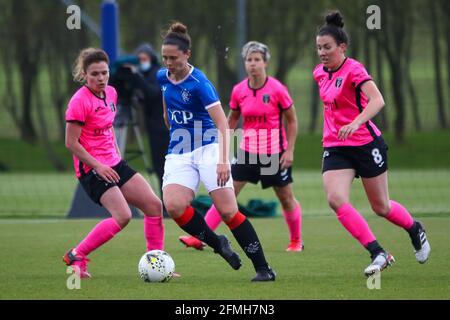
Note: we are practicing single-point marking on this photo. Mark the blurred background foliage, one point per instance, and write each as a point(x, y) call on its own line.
point(409, 58)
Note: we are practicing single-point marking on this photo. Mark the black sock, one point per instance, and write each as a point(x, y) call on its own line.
point(198, 228)
point(414, 235)
point(247, 238)
point(374, 248)
point(413, 230)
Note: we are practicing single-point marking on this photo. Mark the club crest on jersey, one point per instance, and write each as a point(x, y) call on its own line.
point(185, 95)
point(338, 82)
point(112, 106)
point(266, 98)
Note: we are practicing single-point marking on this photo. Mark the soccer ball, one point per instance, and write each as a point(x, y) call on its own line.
point(156, 266)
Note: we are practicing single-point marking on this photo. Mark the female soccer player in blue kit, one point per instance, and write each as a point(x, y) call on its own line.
point(199, 152)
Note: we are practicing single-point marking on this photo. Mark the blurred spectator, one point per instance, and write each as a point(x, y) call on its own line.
point(151, 100)
point(134, 78)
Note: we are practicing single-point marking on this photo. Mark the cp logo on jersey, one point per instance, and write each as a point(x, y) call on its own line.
point(266, 98)
point(338, 82)
point(181, 117)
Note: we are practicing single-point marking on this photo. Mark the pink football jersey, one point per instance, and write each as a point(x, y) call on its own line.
point(97, 116)
point(343, 101)
point(261, 110)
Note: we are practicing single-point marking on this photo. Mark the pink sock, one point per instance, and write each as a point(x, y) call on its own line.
point(355, 224)
point(213, 218)
point(294, 221)
point(104, 231)
point(154, 232)
point(400, 216)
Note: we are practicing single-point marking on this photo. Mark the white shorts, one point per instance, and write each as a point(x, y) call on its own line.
point(188, 169)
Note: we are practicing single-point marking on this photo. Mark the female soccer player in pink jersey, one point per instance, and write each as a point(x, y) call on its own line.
point(106, 178)
point(265, 153)
point(354, 147)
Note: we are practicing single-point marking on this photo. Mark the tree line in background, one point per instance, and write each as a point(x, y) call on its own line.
point(35, 42)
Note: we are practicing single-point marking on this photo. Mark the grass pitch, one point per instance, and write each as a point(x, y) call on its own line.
point(331, 267)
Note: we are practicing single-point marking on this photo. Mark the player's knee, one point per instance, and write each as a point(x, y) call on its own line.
point(153, 207)
point(227, 212)
point(123, 219)
point(175, 208)
point(335, 200)
point(382, 209)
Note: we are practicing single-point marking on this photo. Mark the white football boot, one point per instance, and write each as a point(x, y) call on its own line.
point(380, 262)
point(420, 243)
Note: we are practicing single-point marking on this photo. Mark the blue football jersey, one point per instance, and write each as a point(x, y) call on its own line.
point(187, 103)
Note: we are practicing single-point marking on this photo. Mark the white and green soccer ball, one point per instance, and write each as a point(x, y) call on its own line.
point(156, 266)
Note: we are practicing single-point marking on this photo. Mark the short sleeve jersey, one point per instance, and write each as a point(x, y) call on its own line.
point(343, 100)
point(187, 102)
point(96, 115)
point(262, 113)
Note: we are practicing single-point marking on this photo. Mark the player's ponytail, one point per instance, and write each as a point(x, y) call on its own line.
point(85, 58)
point(177, 27)
point(334, 24)
point(334, 18)
point(177, 34)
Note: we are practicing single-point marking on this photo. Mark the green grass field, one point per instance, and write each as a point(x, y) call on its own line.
point(34, 200)
point(330, 267)
point(34, 235)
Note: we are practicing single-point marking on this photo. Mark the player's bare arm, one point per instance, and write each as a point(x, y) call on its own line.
point(223, 167)
point(288, 156)
point(73, 132)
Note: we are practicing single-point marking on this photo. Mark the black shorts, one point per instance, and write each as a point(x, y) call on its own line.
point(95, 186)
point(369, 160)
point(265, 168)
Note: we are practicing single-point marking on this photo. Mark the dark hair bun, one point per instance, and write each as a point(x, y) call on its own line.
point(335, 18)
point(178, 27)
point(177, 34)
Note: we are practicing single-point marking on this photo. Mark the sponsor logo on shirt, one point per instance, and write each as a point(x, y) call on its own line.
point(111, 106)
point(258, 119)
point(329, 106)
point(102, 131)
point(181, 117)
